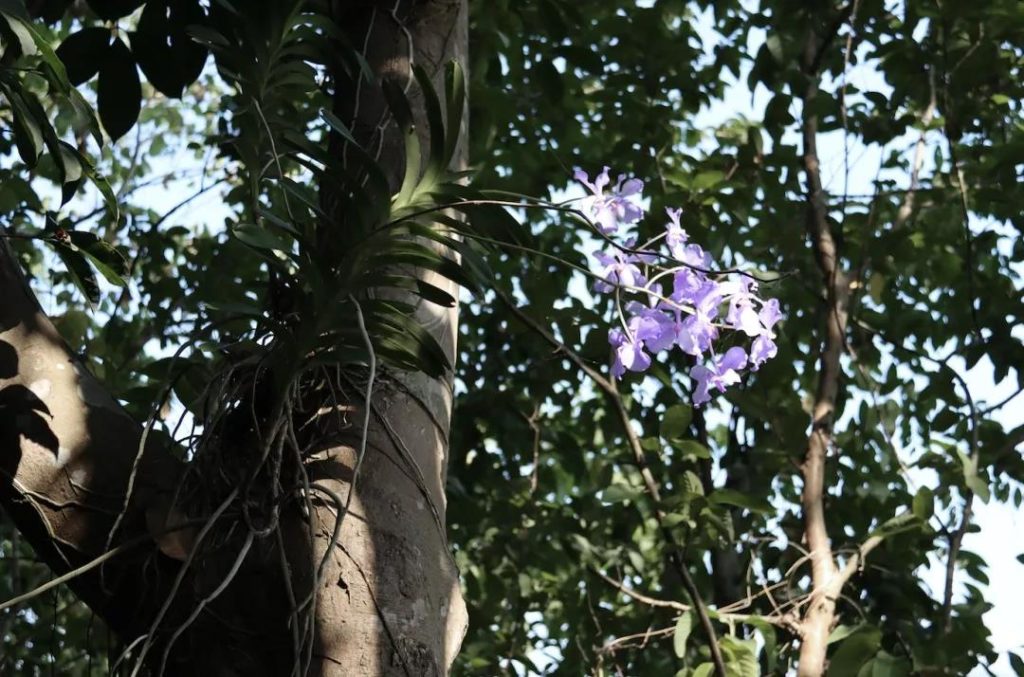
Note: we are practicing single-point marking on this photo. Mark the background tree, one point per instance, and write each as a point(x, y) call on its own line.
point(595, 523)
point(895, 285)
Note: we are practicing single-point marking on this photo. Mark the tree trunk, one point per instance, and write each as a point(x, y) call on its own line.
point(387, 598)
point(394, 572)
point(826, 581)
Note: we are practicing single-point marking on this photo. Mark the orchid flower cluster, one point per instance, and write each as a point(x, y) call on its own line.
point(689, 317)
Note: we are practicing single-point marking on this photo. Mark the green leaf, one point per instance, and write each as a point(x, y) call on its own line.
point(400, 108)
point(676, 421)
point(57, 74)
point(28, 135)
point(945, 419)
point(619, 493)
point(740, 656)
point(703, 670)
point(979, 487)
point(972, 480)
point(397, 331)
point(707, 179)
point(905, 521)
point(72, 173)
point(885, 664)
point(770, 638)
point(109, 199)
point(455, 103)
point(83, 52)
point(81, 274)
point(421, 288)
point(876, 286)
point(774, 45)
point(21, 30)
point(407, 252)
point(924, 503)
point(338, 126)
point(854, 651)
point(69, 167)
point(260, 237)
point(84, 112)
point(119, 94)
point(740, 500)
point(1016, 663)
point(682, 632)
point(168, 56)
point(841, 632)
point(691, 449)
point(208, 36)
point(104, 257)
point(692, 484)
point(436, 161)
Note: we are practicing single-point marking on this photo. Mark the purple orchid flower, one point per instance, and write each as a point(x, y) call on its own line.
point(764, 347)
point(689, 317)
point(762, 350)
point(619, 206)
point(742, 316)
point(723, 372)
point(695, 334)
point(619, 268)
point(651, 326)
point(629, 353)
point(675, 236)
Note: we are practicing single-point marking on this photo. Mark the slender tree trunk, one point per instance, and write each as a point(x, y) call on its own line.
point(825, 578)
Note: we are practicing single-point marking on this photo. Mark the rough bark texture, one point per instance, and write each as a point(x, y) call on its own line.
point(389, 601)
point(392, 590)
point(66, 452)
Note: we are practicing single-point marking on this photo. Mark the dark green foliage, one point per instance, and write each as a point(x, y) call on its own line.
point(84, 52)
point(111, 10)
point(559, 85)
point(170, 59)
point(546, 506)
point(119, 94)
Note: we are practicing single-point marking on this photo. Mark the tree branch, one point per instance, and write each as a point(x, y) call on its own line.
point(62, 436)
point(611, 392)
point(821, 612)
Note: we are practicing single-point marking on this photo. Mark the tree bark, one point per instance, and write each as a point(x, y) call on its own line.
point(66, 452)
point(394, 571)
point(387, 601)
point(826, 584)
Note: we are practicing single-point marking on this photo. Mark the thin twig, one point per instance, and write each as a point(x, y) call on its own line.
point(230, 576)
point(179, 579)
point(367, 403)
point(90, 565)
point(640, 458)
point(141, 449)
point(649, 601)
